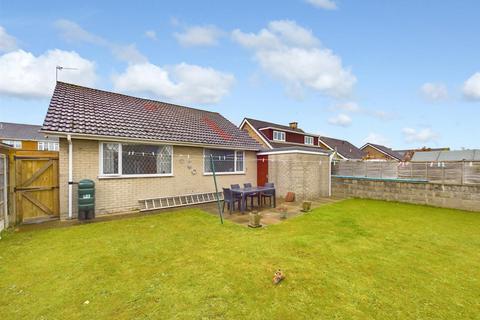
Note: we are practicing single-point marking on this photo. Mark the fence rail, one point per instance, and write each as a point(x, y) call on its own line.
point(460, 172)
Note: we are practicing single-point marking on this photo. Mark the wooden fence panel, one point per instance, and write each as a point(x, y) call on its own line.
point(458, 172)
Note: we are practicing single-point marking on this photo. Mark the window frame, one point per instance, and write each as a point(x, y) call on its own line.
point(48, 146)
point(281, 134)
point(234, 161)
point(15, 144)
point(309, 137)
point(120, 160)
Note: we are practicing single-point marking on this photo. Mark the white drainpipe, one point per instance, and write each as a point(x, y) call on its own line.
point(70, 176)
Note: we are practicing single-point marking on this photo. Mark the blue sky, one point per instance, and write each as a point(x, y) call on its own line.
point(405, 73)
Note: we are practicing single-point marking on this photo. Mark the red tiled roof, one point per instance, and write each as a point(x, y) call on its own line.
point(86, 111)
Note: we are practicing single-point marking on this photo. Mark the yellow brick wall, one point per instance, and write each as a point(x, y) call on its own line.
point(122, 194)
point(373, 153)
point(254, 135)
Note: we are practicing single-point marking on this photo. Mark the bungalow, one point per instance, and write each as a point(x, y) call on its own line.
point(378, 152)
point(134, 148)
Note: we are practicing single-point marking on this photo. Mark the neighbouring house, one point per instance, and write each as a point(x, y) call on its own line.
point(447, 155)
point(27, 137)
point(378, 152)
point(134, 148)
point(344, 150)
point(407, 154)
point(273, 136)
point(291, 158)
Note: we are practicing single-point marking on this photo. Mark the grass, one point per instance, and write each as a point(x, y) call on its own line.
point(356, 259)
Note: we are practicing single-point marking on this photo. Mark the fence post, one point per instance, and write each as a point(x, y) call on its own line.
point(443, 172)
point(426, 171)
point(463, 172)
point(411, 170)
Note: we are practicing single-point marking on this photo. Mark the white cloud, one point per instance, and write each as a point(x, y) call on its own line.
point(150, 34)
point(354, 107)
point(434, 91)
point(72, 32)
point(199, 36)
point(323, 4)
point(25, 75)
point(415, 136)
point(7, 42)
point(348, 106)
point(341, 120)
point(292, 54)
point(182, 82)
point(471, 87)
point(376, 139)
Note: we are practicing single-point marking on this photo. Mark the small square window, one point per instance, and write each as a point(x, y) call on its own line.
point(278, 135)
point(309, 140)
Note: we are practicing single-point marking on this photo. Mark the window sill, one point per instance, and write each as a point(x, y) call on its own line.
point(129, 176)
point(223, 173)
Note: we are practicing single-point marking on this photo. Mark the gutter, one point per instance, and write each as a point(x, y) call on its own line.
point(70, 177)
point(144, 141)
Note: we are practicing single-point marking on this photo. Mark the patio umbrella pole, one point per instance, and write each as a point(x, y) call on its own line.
point(216, 188)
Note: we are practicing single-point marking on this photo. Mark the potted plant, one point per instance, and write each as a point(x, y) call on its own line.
point(306, 206)
point(283, 212)
point(254, 221)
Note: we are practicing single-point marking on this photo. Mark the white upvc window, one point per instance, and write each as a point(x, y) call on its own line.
point(308, 140)
point(48, 146)
point(135, 160)
point(225, 161)
point(17, 144)
point(278, 135)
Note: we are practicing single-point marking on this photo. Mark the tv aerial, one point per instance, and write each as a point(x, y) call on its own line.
point(60, 68)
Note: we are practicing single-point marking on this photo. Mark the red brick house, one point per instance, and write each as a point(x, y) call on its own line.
point(280, 139)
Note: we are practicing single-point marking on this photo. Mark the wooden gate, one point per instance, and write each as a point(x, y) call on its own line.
point(36, 186)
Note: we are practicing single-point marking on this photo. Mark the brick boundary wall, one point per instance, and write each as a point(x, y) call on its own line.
point(464, 197)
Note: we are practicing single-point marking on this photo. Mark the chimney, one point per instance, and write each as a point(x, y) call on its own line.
point(293, 125)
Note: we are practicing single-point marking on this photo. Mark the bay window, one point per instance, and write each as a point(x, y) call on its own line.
point(225, 161)
point(128, 159)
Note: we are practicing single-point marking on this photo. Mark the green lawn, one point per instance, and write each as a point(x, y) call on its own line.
point(356, 259)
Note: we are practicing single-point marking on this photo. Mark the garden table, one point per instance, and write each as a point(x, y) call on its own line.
point(244, 192)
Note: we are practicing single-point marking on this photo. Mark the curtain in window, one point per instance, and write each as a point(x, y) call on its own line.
point(110, 158)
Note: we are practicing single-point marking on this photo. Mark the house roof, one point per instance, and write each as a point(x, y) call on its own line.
point(385, 150)
point(407, 154)
point(19, 131)
point(343, 147)
point(259, 124)
point(456, 155)
point(83, 111)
